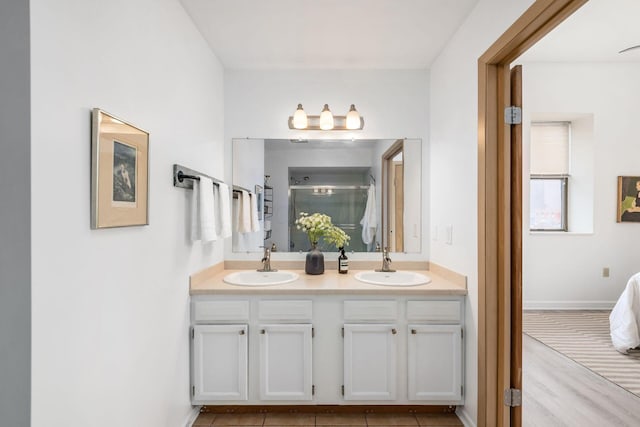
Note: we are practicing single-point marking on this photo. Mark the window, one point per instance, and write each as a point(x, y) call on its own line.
point(549, 176)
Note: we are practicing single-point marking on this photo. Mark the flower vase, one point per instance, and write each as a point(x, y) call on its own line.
point(315, 260)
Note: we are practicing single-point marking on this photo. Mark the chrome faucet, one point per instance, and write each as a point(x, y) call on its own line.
point(386, 262)
point(266, 261)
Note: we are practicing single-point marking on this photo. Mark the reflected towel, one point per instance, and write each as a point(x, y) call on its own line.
point(369, 221)
point(203, 217)
point(255, 221)
point(224, 210)
point(244, 212)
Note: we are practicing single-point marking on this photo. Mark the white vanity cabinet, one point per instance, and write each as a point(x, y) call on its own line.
point(285, 362)
point(370, 362)
point(434, 350)
point(327, 349)
point(219, 362)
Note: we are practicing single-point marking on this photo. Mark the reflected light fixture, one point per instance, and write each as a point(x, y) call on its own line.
point(326, 120)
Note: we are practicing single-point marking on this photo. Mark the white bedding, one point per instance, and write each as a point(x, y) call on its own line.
point(624, 320)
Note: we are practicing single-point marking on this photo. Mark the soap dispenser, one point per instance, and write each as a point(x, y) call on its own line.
point(343, 262)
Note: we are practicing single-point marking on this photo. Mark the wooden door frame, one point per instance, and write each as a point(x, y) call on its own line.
point(386, 157)
point(494, 203)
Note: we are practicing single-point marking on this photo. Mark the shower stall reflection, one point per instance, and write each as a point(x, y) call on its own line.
point(345, 204)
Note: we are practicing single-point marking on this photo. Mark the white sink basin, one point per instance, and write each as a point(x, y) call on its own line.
point(260, 278)
point(396, 278)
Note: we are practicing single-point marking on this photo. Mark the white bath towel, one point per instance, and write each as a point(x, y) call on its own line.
point(203, 218)
point(624, 320)
point(244, 212)
point(224, 214)
point(369, 221)
point(255, 221)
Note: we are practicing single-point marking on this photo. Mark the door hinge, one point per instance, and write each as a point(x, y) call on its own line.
point(313, 390)
point(462, 333)
point(513, 115)
point(512, 397)
point(193, 333)
point(313, 332)
point(342, 390)
point(193, 390)
point(461, 390)
point(342, 332)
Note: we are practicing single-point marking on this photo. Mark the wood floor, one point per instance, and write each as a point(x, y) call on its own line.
point(559, 392)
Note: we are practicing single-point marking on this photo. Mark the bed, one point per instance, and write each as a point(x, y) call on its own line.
point(624, 321)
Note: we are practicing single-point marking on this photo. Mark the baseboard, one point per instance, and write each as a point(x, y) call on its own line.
point(568, 305)
point(464, 417)
point(191, 418)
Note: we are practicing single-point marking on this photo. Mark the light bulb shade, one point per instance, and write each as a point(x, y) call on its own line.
point(300, 118)
point(353, 118)
point(326, 118)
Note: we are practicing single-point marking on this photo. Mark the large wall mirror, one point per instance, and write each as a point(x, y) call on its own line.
point(371, 184)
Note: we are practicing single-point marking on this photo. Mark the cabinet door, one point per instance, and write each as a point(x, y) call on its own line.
point(219, 362)
point(285, 362)
point(435, 362)
point(370, 362)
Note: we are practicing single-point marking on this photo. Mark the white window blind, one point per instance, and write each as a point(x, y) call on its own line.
point(550, 148)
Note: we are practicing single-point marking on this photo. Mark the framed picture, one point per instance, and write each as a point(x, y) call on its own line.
point(629, 199)
point(119, 172)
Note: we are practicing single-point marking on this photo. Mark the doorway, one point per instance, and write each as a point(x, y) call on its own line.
point(499, 213)
point(393, 196)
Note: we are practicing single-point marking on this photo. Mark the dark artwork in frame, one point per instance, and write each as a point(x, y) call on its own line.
point(124, 172)
point(628, 199)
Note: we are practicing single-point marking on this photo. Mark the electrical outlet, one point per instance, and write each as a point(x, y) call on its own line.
point(449, 236)
point(605, 272)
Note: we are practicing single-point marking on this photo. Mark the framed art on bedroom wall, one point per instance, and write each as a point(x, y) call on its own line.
point(628, 199)
point(119, 172)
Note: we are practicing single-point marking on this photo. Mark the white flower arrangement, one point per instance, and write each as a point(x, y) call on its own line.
point(319, 225)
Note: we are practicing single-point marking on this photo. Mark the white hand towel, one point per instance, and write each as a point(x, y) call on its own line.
point(369, 220)
point(244, 212)
point(224, 204)
point(203, 219)
point(255, 221)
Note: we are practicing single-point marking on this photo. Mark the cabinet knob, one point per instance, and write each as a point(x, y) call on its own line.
point(413, 332)
point(393, 331)
point(242, 332)
point(262, 331)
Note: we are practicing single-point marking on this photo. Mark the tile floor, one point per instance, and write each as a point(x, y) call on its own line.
point(326, 420)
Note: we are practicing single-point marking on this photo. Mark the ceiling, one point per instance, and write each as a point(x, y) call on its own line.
point(596, 32)
point(324, 34)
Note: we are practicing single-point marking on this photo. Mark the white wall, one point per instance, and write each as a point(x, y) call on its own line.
point(15, 206)
point(394, 104)
point(564, 270)
point(110, 307)
point(454, 171)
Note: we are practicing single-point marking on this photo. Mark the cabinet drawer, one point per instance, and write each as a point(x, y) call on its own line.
point(285, 310)
point(370, 310)
point(434, 311)
point(220, 311)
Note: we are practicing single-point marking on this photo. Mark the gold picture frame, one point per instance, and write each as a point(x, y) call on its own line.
point(628, 199)
point(119, 172)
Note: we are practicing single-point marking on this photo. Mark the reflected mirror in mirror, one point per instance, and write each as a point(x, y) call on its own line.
point(370, 185)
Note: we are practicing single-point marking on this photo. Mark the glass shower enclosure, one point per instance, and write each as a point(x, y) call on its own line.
point(345, 204)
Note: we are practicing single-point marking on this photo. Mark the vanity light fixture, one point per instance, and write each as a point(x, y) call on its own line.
point(300, 120)
point(326, 120)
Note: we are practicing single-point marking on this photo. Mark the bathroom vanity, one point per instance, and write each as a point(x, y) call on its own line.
point(326, 340)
